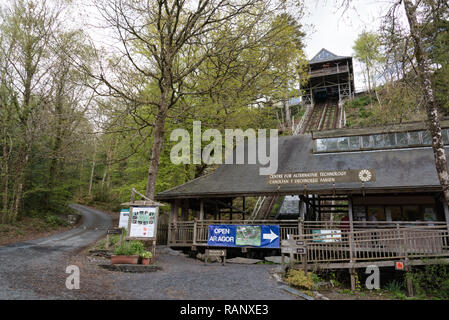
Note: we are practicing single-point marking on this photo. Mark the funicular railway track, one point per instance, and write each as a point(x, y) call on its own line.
point(324, 116)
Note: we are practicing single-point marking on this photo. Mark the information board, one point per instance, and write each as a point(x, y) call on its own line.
point(143, 223)
point(261, 236)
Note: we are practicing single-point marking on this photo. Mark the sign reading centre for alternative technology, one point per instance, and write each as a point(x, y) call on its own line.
point(323, 177)
point(143, 222)
point(262, 236)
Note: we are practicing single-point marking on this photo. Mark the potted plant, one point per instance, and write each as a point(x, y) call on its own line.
point(146, 256)
point(127, 253)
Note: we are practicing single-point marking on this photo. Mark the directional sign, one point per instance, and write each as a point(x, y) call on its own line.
point(293, 246)
point(288, 250)
point(261, 236)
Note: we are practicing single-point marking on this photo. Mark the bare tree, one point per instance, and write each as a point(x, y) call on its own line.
point(164, 42)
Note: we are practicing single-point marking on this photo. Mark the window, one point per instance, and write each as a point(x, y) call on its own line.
point(332, 144)
point(354, 143)
point(414, 138)
point(427, 138)
point(412, 213)
point(343, 144)
point(320, 145)
point(393, 213)
point(378, 141)
point(402, 138)
point(445, 135)
point(367, 142)
point(376, 214)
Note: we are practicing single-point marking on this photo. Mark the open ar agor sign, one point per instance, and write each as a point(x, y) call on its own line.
point(143, 222)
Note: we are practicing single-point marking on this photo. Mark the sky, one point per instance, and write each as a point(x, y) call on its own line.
point(337, 29)
point(326, 26)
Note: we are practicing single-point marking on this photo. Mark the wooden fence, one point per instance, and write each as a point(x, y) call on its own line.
point(376, 245)
point(334, 242)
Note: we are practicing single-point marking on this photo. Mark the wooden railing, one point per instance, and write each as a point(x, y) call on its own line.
point(377, 244)
point(326, 71)
point(196, 232)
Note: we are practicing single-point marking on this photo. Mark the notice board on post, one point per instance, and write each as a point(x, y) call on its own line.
point(143, 223)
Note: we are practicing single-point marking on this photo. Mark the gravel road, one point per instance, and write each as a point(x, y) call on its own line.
point(26, 267)
point(36, 270)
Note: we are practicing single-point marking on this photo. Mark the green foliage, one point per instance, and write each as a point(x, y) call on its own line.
point(301, 280)
point(396, 289)
point(55, 221)
point(146, 254)
point(433, 279)
point(130, 248)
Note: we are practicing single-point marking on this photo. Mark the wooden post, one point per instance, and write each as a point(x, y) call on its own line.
point(410, 291)
point(201, 209)
point(244, 208)
point(194, 231)
point(230, 211)
point(351, 219)
point(107, 242)
point(185, 210)
point(130, 217)
point(446, 213)
point(352, 274)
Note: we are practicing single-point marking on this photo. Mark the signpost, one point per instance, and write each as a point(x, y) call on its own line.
point(124, 216)
point(215, 253)
point(142, 219)
point(113, 231)
point(292, 247)
point(260, 236)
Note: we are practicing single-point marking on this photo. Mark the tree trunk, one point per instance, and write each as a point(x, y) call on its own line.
point(155, 154)
point(93, 169)
point(428, 100)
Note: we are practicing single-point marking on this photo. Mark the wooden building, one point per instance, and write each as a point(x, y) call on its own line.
point(331, 77)
point(383, 180)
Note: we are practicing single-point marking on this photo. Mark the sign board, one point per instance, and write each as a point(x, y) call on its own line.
point(399, 265)
point(323, 177)
point(143, 223)
point(216, 253)
point(293, 246)
point(326, 235)
point(260, 236)
point(123, 222)
point(115, 231)
point(294, 250)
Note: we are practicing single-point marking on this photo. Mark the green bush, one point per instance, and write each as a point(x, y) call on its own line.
point(301, 280)
point(55, 221)
point(130, 249)
point(431, 280)
point(146, 254)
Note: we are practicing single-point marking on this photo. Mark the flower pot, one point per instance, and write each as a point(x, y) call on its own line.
point(145, 261)
point(124, 259)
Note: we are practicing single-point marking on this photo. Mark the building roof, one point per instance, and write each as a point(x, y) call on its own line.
point(325, 55)
point(396, 170)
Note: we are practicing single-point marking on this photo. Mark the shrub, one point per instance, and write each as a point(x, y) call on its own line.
point(432, 279)
point(130, 249)
point(146, 254)
point(298, 278)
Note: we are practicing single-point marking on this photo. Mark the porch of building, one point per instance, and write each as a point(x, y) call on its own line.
point(380, 228)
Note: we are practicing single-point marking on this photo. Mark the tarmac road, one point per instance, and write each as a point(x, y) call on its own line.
point(23, 266)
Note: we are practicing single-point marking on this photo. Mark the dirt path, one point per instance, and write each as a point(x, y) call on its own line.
point(36, 270)
point(25, 267)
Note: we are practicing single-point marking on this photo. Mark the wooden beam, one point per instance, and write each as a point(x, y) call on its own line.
point(351, 220)
point(201, 210)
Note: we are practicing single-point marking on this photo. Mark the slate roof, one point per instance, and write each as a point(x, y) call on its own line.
point(396, 170)
point(325, 55)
